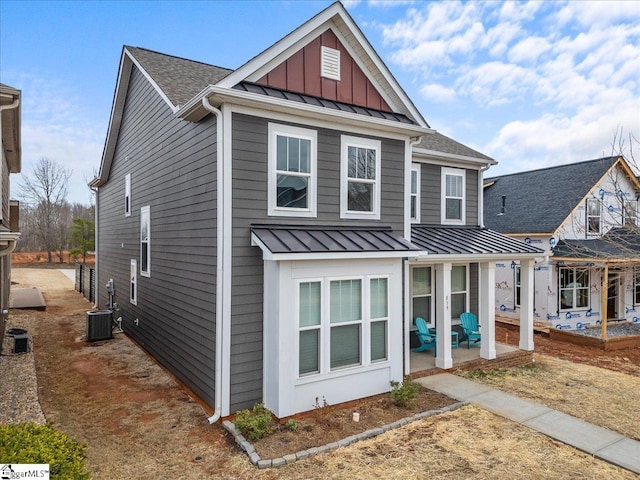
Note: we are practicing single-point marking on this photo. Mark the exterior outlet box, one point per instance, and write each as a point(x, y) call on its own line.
point(99, 326)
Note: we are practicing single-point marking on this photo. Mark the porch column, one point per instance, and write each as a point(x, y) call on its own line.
point(443, 315)
point(487, 310)
point(526, 304)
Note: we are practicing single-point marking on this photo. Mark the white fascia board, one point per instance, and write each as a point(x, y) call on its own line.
point(238, 97)
point(433, 258)
point(422, 155)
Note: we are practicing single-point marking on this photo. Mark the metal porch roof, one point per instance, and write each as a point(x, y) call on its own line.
point(289, 239)
point(467, 240)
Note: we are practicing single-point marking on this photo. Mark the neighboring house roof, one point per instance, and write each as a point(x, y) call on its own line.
point(180, 79)
point(539, 201)
point(467, 240)
point(437, 144)
point(618, 244)
point(11, 112)
point(333, 240)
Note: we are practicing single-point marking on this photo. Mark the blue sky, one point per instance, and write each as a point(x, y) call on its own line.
point(531, 84)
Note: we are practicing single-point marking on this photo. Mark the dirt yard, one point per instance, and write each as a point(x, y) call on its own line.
point(138, 423)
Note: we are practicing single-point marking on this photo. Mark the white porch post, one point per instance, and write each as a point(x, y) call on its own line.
point(526, 304)
point(443, 315)
point(487, 310)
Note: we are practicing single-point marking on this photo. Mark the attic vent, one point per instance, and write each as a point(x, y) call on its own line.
point(330, 63)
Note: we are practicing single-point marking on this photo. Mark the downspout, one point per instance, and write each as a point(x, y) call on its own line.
point(481, 195)
point(219, 258)
point(96, 241)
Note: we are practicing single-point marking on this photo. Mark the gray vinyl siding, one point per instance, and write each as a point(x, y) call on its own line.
point(250, 166)
point(431, 195)
point(173, 170)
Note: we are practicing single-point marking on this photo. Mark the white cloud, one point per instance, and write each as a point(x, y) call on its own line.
point(529, 49)
point(437, 93)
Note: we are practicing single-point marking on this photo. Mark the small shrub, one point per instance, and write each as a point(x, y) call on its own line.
point(291, 425)
point(404, 393)
point(486, 374)
point(31, 443)
point(307, 428)
point(256, 423)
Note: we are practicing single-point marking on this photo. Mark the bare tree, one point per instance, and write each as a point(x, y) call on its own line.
point(45, 191)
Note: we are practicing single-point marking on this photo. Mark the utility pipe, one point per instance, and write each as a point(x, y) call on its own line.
point(220, 318)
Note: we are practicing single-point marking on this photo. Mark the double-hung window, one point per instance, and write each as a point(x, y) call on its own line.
point(459, 294)
point(453, 196)
point(630, 212)
point(594, 214)
point(292, 171)
point(573, 286)
point(127, 195)
point(415, 193)
point(360, 178)
point(422, 295)
point(342, 323)
point(145, 241)
point(636, 286)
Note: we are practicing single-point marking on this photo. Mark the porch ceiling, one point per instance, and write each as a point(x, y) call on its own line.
point(468, 240)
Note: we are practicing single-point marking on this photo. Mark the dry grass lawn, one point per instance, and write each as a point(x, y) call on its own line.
point(138, 423)
point(603, 397)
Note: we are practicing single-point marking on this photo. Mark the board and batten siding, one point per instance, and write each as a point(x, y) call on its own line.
point(431, 195)
point(173, 171)
point(249, 177)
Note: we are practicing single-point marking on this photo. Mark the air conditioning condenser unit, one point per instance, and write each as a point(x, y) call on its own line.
point(99, 325)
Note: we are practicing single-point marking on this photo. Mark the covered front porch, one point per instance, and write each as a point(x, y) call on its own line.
point(455, 273)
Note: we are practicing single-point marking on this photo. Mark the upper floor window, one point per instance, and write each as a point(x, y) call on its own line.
point(127, 195)
point(292, 171)
point(145, 241)
point(573, 286)
point(415, 193)
point(594, 216)
point(630, 212)
point(453, 196)
point(360, 178)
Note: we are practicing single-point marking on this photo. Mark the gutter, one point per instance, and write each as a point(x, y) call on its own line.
point(220, 291)
point(11, 238)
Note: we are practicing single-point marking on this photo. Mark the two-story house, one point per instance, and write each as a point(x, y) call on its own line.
point(585, 215)
point(10, 118)
point(272, 231)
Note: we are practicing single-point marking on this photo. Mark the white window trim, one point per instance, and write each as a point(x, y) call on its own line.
point(365, 322)
point(312, 202)
point(516, 285)
point(467, 290)
point(636, 284)
point(415, 167)
point(347, 141)
point(133, 282)
point(443, 203)
point(145, 213)
point(127, 195)
point(432, 309)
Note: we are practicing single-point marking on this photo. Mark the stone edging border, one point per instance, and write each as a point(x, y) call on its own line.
point(256, 460)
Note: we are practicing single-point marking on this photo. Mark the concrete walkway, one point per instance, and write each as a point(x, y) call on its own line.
point(597, 441)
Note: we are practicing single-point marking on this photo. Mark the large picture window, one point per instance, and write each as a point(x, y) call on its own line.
point(354, 324)
point(145, 241)
point(453, 196)
point(594, 214)
point(573, 286)
point(360, 178)
point(292, 171)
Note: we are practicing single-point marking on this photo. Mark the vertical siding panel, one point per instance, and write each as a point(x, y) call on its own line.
point(172, 167)
point(312, 85)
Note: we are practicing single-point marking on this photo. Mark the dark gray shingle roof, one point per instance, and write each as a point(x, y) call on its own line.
point(441, 143)
point(329, 239)
point(617, 244)
point(466, 240)
point(538, 201)
point(180, 79)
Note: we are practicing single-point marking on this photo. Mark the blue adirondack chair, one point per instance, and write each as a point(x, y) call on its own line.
point(470, 327)
point(427, 339)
